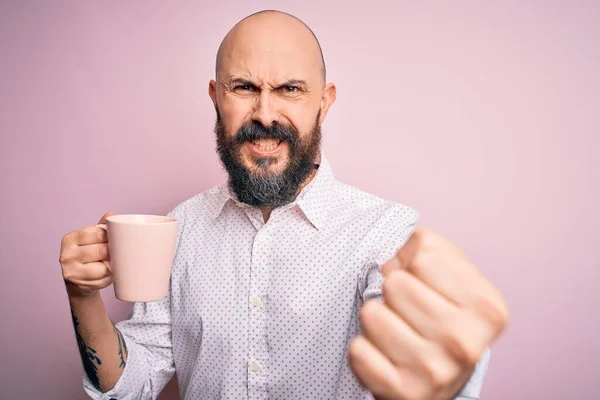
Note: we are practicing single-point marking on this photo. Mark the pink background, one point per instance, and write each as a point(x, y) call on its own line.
point(482, 115)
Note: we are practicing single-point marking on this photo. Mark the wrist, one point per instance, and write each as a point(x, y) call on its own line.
point(77, 294)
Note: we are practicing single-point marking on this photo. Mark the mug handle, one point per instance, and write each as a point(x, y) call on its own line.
point(103, 226)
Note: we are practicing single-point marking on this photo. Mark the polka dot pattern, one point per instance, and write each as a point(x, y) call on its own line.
point(264, 310)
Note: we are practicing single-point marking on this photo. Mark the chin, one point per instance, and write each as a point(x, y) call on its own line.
point(265, 165)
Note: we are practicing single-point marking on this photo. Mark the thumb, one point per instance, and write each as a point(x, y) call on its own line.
point(103, 219)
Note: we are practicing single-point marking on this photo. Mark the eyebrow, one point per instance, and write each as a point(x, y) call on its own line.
point(241, 81)
point(289, 82)
point(292, 82)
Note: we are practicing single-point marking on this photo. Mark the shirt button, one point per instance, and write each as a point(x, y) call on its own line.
point(257, 301)
point(261, 238)
point(255, 367)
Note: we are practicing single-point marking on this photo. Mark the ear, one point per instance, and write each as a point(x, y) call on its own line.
point(327, 100)
point(212, 92)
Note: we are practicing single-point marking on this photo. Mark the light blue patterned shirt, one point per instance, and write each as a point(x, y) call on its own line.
point(266, 310)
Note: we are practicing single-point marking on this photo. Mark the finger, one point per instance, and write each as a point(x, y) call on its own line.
point(391, 335)
point(388, 381)
point(442, 266)
point(452, 276)
point(90, 235)
point(81, 273)
point(391, 265)
point(374, 370)
point(427, 275)
point(463, 334)
point(92, 253)
point(95, 284)
point(105, 216)
point(422, 308)
point(427, 360)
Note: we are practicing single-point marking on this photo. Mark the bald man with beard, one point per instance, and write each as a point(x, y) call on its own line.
point(286, 283)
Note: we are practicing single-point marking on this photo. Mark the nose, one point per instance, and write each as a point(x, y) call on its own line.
point(264, 110)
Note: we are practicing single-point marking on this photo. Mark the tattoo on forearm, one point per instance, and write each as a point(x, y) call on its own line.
point(89, 356)
point(123, 353)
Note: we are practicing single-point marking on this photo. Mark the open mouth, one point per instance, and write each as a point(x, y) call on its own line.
point(266, 145)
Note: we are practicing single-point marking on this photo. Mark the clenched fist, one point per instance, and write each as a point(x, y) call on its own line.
point(82, 257)
point(438, 316)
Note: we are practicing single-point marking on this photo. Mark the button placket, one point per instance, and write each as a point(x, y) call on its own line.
point(257, 355)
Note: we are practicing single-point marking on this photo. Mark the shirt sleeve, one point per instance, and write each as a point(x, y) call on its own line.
point(150, 364)
point(389, 234)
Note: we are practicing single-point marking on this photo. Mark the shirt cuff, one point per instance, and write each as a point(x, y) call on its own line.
point(130, 384)
point(473, 387)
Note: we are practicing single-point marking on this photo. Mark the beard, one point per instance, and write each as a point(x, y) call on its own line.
point(258, 186)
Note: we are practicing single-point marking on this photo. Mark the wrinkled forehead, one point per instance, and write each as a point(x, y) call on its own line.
point(267, 65)
point(270, 53)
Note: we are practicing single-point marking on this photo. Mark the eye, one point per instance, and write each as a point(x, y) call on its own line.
point(291, 89)
point(244, 88)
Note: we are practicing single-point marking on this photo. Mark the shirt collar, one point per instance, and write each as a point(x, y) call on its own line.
point(314, 199)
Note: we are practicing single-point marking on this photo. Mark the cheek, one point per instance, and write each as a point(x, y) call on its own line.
point(303, 121)
point(234, 112)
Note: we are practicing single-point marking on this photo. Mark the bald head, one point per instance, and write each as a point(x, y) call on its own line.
point(273, 34)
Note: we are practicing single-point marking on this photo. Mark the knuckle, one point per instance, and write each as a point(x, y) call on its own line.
point(68, 274)
point(421, 260)
point(66, 256)
point(468, 353)
point(68, 241)
point(439, 373)
point(353, 351)
point(64, 242)
point(471, 355)
point(494, 311)
point(427, 240)
point(63, 258)
point(504, 313)
point(422, 237)
point(392, 283)
point(368, 312)
point(356, 352)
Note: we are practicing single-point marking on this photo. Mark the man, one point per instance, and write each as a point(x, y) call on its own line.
point(279, 275)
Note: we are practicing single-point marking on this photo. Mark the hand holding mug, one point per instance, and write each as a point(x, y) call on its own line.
point(134, 251)
point(82, 257)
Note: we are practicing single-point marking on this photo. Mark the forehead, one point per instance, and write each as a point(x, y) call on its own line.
point(271, 51)
point(267, 65)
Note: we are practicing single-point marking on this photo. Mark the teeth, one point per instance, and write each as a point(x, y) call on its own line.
point(266, 144)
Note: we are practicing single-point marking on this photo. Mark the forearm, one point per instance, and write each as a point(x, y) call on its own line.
point(101, 346)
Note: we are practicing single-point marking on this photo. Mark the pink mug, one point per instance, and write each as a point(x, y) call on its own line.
point(142, 248)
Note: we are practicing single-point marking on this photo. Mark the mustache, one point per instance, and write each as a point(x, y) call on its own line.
point(255, 131)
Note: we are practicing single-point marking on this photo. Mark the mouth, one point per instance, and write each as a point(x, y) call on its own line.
point(263, 147)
